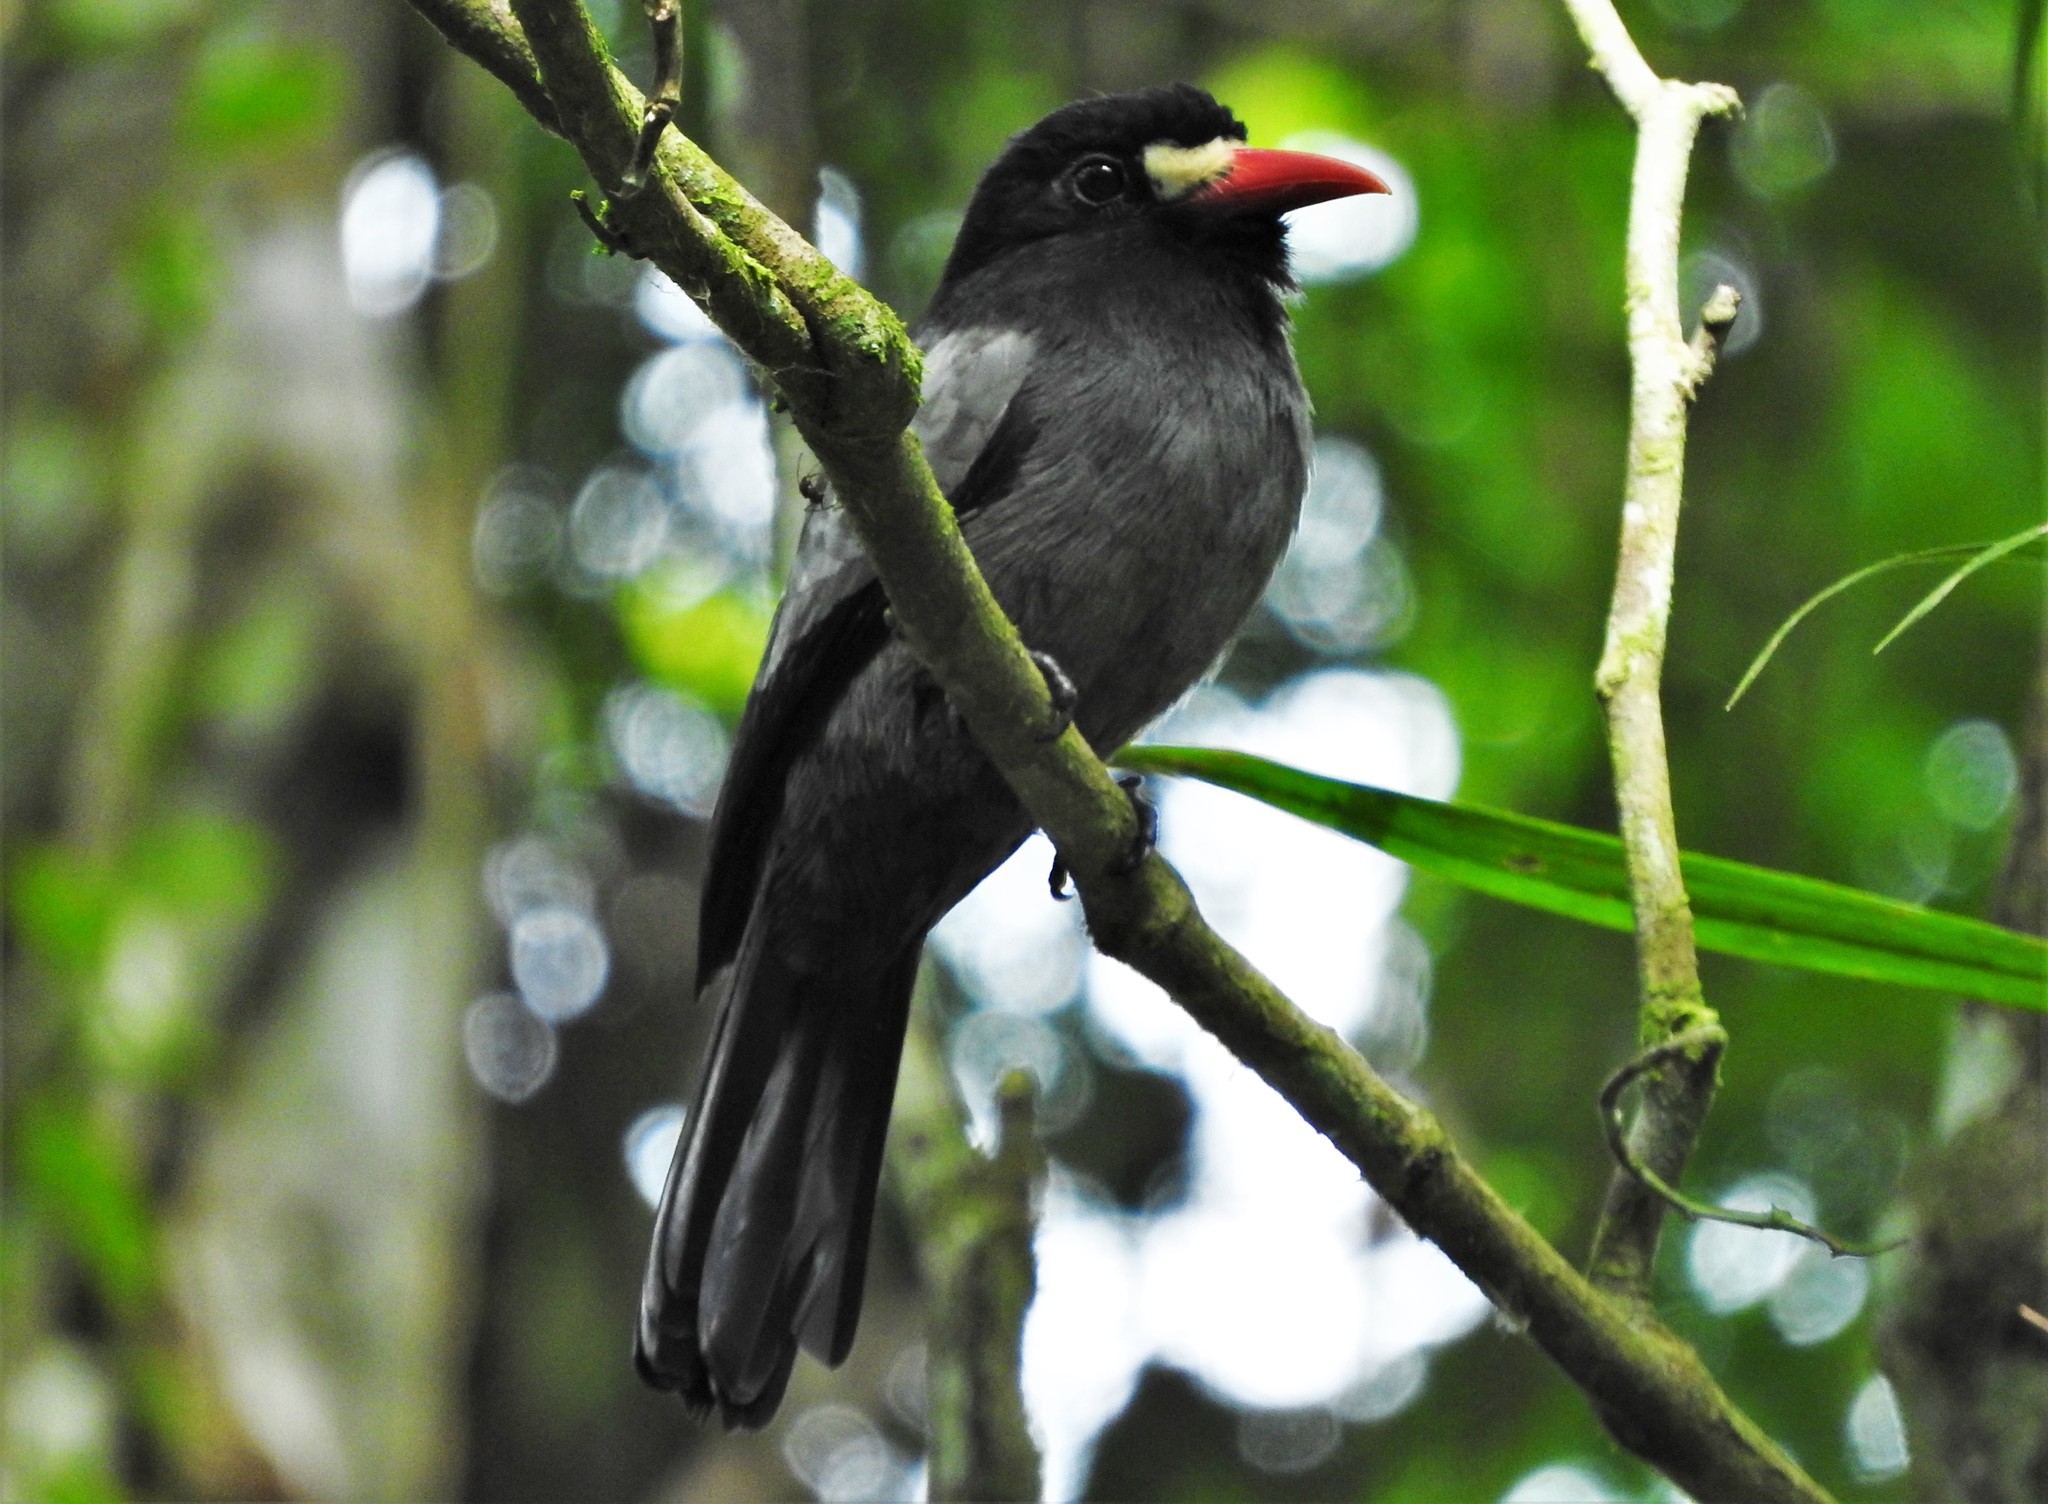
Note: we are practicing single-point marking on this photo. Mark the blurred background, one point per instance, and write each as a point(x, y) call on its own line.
point(385, 571)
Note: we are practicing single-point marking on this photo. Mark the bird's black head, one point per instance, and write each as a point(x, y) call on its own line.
point(1170, 154)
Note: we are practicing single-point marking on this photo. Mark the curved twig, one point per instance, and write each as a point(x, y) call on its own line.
point(608, 239)
point(1708, 1042)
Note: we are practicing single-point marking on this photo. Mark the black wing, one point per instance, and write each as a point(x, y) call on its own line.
point(975, 426)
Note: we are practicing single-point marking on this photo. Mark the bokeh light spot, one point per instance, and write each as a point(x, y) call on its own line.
point(666, 310)
point(1287, 1441)
point(531, 872)
point(837, 222)
point(1973, 774)
point(1010, 944)
point(1386, 1391)
point(1703, 271)
point(726, 476)
point(1564, 1483)
point(1820, 1297)
point(650, 1147)
point(1734, 1267)
point(559, 961)
point(1348, 238)
point(987, 1046)
point(1784, 142)
point(668, 398)
point(618, 524)
point(838, 1453)
point(510, 1052)
point(468, 232)
point(670, 747)
point(390, 222)
point(1876, 1432)
point(518, 530)
point(1342, 588)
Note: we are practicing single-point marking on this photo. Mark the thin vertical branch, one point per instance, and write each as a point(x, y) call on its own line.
point(1666, 371)
point(974, 1223)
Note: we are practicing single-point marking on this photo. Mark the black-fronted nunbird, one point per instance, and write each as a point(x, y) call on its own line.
point(1112, 407)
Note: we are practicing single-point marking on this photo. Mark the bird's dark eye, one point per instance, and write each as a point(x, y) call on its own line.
point(1099, 180)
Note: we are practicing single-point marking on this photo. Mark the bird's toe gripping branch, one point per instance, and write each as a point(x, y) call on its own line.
point(1064, 696)
point(1142, 842)
point(1148, 825)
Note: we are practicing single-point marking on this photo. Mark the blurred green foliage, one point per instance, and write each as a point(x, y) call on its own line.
point(707, 648)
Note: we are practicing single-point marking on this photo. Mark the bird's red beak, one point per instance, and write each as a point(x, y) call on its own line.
point(1276, 181)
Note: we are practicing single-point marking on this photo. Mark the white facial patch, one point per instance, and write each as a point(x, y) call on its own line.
point(1177, 171)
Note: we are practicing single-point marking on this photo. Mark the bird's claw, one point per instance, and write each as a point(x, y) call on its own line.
point(1057, 880)
point(1141, 847)
point(1062, 693)
point(1148, 826)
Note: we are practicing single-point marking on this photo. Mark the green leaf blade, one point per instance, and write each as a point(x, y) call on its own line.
point(1990, 553)
point(1740, 910)
point(1827, 593)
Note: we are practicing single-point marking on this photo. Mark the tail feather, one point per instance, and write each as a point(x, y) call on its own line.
point(762, 1234)
point(844, 1162)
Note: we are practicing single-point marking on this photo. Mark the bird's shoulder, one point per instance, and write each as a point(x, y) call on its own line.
point(832, 620)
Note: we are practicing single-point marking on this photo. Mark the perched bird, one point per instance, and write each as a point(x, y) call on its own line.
point(1112, 407)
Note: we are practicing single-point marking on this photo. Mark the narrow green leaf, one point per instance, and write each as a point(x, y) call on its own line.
point(1991, 553)
point(1807, 607)
point(1739, 910)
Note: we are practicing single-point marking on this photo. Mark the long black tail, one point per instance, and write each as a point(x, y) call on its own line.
point(761, 1242)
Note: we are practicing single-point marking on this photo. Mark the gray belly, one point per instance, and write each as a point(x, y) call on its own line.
point(1134, 557)
point(1131, 551)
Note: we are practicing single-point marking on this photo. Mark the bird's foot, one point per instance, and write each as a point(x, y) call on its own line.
point(1141, 846)
point(1148, 826)
point(1064, 696)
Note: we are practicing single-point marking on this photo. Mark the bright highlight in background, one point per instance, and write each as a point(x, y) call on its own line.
point(390, 217)
point(1876, 1432)
point(1735, 1267)
point(1272, 1283)
point(400, 231)
point(650, 1145)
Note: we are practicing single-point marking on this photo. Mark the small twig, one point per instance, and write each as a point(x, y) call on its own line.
point(664, 18)
point(2033, 1317)
point(1717, 317)
point(608, 239)
point(1708, 1043)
